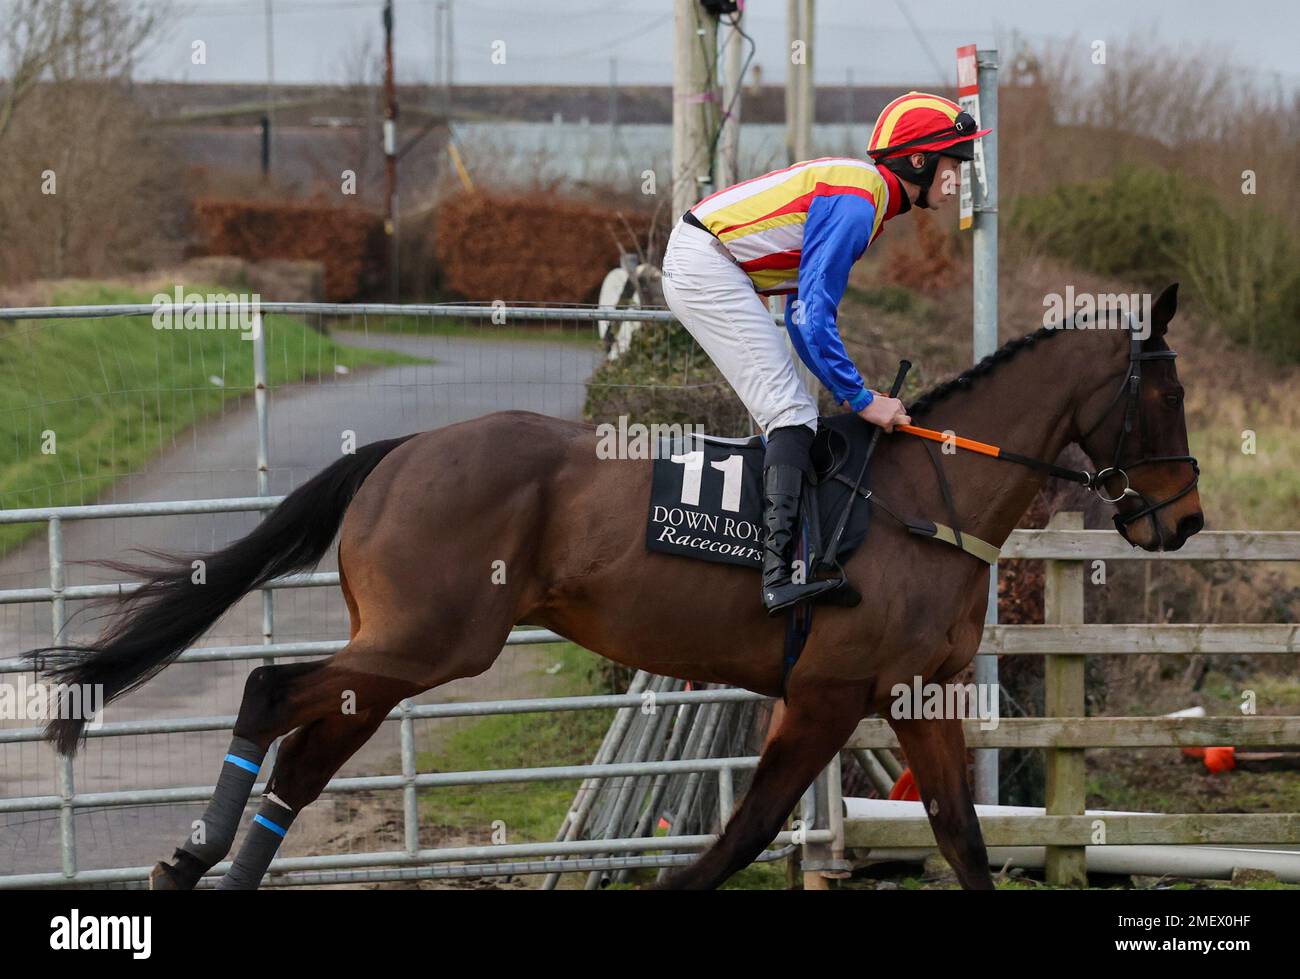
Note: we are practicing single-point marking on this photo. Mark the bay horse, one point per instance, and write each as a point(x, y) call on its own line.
point(426, 523)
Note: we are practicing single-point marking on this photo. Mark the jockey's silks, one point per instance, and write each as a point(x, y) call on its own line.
point(797, 232)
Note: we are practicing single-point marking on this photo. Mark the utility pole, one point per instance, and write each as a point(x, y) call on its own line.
point(984, 248)
point(435, 94)
point(807, 91)
point(268, 122)
point(796, 53)
point(727, 167)
point(390, 151)
point(791, 81)
point(442, 54)
point(450, 60)
point(799, 94)
point(613, 102)
point(695, 44)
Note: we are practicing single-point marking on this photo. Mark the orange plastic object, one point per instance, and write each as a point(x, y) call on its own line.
point(1223, 759)
point(1220, 759)
point(905, 788)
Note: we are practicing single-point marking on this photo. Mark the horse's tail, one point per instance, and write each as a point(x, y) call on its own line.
point(171, 610)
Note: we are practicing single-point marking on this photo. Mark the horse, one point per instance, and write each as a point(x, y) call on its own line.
point(450, 538)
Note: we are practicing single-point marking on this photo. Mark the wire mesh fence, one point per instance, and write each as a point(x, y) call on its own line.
point(113, 407)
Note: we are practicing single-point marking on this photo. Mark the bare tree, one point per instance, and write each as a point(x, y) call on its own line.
point(82, 183)
point(69, 40)
point(361, 72)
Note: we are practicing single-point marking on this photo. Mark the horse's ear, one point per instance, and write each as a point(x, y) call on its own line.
point(1162, 311)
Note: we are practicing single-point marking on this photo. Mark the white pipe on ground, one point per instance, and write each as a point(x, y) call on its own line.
point(1210, 862)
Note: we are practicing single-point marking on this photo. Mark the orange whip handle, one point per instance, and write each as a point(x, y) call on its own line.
point(962, 443)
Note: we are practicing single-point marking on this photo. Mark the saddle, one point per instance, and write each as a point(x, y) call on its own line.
point(706, 500)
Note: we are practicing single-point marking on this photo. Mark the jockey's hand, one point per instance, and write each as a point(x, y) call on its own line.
point(885, 412)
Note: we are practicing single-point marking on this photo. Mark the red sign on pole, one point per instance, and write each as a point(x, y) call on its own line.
point(968, 97)
point(967, 73)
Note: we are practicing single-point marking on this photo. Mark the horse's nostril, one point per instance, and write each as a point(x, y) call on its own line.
point(1190, 524)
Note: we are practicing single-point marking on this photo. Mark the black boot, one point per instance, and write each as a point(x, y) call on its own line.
point(782, 487)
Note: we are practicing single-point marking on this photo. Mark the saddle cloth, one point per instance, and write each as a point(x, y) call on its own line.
point(706, 496)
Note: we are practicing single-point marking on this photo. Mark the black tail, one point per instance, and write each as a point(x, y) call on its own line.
point(170, 612)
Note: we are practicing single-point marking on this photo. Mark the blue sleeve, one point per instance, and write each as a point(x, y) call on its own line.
point(835, 235)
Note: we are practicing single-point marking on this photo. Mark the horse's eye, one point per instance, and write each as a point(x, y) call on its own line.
point(1174, 398)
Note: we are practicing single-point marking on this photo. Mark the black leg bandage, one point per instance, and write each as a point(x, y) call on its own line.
point(269, 827)
point(211, 839)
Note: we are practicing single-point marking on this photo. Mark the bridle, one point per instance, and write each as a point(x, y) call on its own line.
point(1129, 392)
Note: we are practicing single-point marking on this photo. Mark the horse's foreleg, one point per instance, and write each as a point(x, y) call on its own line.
point(816, 723)
point(276, 700)
point(936, 752)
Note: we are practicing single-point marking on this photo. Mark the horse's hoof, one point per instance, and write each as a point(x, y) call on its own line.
point(161, 878)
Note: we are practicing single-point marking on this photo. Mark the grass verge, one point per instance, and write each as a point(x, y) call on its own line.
point(85, 401)
point(528, 811)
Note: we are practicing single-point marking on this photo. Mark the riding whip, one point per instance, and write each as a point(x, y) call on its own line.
point(833, 548)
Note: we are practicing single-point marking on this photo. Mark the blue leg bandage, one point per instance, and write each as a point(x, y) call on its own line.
point(269, 827)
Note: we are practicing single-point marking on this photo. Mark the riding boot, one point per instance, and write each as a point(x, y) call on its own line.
point(782, 487)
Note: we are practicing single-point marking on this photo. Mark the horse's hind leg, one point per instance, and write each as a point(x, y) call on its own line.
point(936, 752)
point(276, 700)
point(307, 760)
point(817, 722)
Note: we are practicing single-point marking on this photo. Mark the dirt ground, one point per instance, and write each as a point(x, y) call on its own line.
point(368, 821)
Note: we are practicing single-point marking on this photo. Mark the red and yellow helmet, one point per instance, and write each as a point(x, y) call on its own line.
point(922, 123)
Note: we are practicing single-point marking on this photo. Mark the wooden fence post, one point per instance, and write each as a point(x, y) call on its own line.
point(1063, 696)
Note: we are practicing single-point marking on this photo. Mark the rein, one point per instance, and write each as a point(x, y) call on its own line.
point(1128, 393)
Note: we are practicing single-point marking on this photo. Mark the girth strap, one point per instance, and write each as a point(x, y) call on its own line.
point(967, 542)
point(943, 487)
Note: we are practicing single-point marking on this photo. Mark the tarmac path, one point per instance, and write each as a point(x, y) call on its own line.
point(468, 378)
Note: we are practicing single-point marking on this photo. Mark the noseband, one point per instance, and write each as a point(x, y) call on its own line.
point(1129, 393)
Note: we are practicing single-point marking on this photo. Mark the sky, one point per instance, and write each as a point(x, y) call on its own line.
point(573, 41)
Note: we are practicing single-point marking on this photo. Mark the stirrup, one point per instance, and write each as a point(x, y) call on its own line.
point(779, 597)
point(845, 596)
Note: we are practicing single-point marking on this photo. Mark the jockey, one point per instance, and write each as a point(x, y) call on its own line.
point(797, 232)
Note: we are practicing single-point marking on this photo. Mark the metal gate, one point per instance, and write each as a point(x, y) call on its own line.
point(67, 797)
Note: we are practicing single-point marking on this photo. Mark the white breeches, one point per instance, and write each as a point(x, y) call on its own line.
point(716, 302)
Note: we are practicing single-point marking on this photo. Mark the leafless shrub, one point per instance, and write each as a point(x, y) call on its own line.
point(82, 184)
